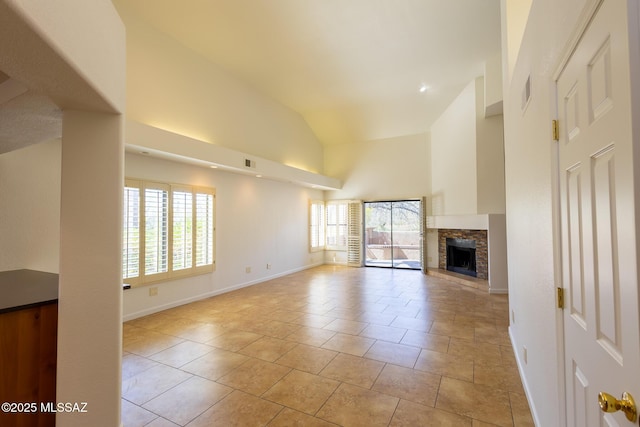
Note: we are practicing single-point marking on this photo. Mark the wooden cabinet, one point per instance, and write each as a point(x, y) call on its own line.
point(28, 342)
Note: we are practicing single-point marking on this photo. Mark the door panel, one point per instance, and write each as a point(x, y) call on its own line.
point(575, 265)
point(377, 227)
point(601, 330)
point(407, 234)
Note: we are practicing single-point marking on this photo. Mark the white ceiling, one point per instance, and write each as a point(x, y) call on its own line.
point(352, 68)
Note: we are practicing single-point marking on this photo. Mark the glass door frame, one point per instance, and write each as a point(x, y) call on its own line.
point(388, 250)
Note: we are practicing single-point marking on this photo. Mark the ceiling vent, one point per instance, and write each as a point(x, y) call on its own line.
point(248, 163)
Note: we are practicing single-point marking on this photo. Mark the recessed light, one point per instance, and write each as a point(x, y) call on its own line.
point(258, 176)
point(423, 88)
point(213, 167)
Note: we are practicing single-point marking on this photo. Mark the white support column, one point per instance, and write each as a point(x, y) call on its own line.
point(90, 293)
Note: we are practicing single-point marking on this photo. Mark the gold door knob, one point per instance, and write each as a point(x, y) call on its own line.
point(608, 403)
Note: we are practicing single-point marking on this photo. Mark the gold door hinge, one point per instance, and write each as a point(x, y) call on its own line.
point(555, 130)
point(560, 298)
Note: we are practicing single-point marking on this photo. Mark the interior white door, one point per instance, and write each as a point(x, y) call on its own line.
point(600, 272)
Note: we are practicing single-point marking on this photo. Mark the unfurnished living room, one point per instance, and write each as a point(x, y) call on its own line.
point(319, 213)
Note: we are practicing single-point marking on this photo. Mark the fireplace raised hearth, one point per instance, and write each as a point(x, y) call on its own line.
point(461, 256)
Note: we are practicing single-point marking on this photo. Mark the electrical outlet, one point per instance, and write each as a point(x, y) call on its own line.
point(524, 354)
point(153, 291)
point(513, 317)
point(247, 270)
point(268, 266)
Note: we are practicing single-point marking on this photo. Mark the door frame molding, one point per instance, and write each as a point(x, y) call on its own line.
point(586, 16)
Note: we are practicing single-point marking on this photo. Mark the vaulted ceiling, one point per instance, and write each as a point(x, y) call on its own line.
point(352, 68)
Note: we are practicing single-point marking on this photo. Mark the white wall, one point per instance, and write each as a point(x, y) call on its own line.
point(173, 88)
point(387, 169)
point(453, 157)
point(258, 222)
point(30, 208)
point(517, 12)
point(493, 85)
point(489, 157)
point(467, 157)
point(529, 170)
point(90, 294)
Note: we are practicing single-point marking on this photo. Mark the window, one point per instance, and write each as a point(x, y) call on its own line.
point(168, 231)
point(316, 225)
point(337, 225)
point(328, 225)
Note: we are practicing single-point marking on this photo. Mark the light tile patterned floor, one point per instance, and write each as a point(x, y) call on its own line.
point(324, 347)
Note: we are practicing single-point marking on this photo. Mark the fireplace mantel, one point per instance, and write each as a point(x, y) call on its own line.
point(460, 222)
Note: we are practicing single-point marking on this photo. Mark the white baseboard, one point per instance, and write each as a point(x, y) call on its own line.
point(523, 378)
point(183, 301)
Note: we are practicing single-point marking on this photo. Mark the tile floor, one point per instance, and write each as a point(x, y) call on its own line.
point(324, 347)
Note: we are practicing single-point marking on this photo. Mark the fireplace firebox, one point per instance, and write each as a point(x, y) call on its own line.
point(461, 256)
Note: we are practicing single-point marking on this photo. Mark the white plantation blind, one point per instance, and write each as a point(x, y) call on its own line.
point(131, 232)
point(182, 219)
point(156, 229)
point(168, 231)
point(316, 225)
point(354, 234)
point(337, 225)
point(204, 227)
point(423, 234)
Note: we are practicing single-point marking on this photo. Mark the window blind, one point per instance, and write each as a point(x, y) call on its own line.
point(337, 225)
point(204, 228)
point(131, 232)
point(168, 231)
point(354, 234)
point(316, 225)
point(182, 214)
point(156, 233)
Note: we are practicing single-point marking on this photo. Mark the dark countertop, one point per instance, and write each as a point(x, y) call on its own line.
point(21, 289)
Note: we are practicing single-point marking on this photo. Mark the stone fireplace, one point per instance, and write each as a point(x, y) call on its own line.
point(488, 233)
point(464, 251)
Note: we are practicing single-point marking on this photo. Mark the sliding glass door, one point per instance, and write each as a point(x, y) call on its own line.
point(393, 234)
